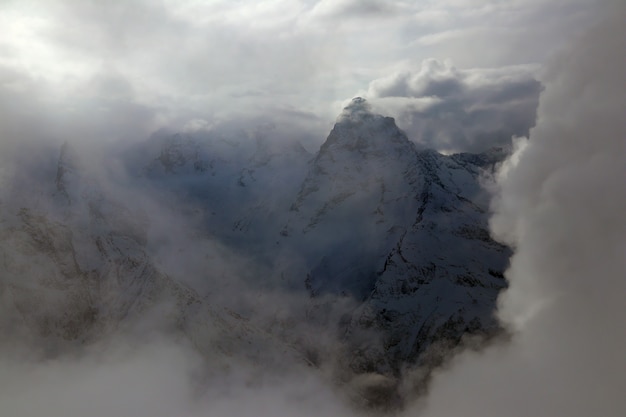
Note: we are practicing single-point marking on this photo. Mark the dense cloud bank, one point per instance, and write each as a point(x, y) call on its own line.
point(561, 205)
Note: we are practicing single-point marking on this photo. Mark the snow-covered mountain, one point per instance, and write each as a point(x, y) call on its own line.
point(383, 244)
point(402, 230)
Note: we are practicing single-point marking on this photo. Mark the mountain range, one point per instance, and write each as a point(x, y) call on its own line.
point(372, 255)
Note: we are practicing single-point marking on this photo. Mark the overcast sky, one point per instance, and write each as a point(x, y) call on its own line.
point(121, 69)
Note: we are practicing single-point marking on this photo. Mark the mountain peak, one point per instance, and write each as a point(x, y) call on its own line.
point(358, 104)
point(358, 109)
point(358, 128)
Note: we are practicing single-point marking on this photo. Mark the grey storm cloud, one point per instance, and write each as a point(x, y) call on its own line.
point(452, 110)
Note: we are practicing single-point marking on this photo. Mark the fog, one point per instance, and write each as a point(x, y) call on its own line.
point(159, 378)
point(284, 69)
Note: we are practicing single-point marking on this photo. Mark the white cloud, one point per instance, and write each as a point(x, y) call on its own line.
point(562, 206)
point(194, 59)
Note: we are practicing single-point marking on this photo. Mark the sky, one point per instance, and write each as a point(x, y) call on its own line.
point(122, 69)
point(459, 75)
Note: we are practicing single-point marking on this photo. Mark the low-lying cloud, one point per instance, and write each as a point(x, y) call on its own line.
point(154, 378)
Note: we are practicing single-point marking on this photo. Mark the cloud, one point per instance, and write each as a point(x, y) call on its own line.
point(175, 63)
point(509, 32)
point(95, 73)
point(452, 110)
point(356, 9)
point(186, 60)
point(153, 383)
point(159, 378)
point(561, 205)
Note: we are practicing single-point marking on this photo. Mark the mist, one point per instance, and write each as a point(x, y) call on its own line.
point(157, 378)
point(226, 333)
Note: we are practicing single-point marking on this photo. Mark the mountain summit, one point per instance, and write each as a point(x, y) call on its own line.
point(357, 128)
point(357, 109)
